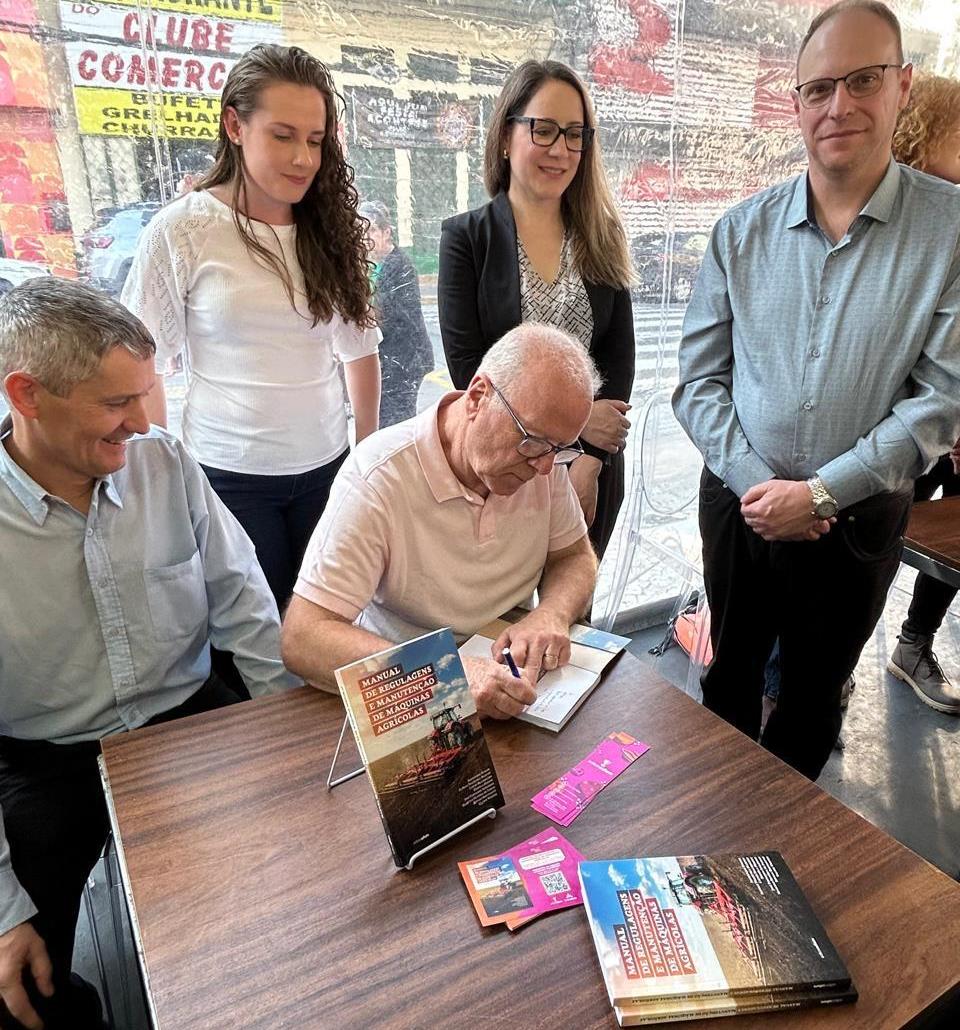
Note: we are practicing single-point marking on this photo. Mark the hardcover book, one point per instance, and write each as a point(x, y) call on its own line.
point(421, 742)
point(700, 925)
point(562, 691)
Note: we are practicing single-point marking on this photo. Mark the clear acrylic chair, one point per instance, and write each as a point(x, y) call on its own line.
point(653, 567)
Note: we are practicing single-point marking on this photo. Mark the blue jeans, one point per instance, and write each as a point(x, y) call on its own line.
point(279, 514)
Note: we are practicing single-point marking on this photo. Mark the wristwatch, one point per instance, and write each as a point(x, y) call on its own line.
point(824, 504)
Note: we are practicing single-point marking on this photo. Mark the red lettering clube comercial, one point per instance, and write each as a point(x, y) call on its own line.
point(175, 73)
point(185, 33)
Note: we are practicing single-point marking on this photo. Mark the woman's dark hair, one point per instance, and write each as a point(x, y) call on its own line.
point(331, 247)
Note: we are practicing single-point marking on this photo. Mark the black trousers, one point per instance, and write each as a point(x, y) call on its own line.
point(56, 823)
point(609, 498)
point(821, 600)
point(931, 597)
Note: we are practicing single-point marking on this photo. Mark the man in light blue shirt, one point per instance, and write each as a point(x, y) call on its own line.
point(120, 568)
point(819, 375)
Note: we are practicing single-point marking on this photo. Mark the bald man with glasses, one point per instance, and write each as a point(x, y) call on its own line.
point(819, 376)
point(454, 517)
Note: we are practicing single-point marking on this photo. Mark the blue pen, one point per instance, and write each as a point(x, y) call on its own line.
point(513, 665)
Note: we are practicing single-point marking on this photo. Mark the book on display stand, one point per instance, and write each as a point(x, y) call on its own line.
point(421, 743)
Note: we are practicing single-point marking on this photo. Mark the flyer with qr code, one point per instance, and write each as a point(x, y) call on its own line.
point(535, 877)
point(548, 868)
point(495, 888)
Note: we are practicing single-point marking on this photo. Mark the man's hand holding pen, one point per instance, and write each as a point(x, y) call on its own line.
point(538, 640)
point(498, 694)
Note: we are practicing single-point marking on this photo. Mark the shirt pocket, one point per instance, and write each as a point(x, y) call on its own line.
point(177, 598)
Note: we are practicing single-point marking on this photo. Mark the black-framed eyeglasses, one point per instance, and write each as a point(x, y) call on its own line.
point(544, 132)
point(535, 446)
point(861, 82)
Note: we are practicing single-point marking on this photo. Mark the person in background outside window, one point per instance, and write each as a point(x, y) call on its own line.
point(260, 275)
point(928, 137)
point(406, 355)
point(549, 248)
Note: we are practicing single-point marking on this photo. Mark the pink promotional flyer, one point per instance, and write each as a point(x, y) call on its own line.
point(569, 795)
point(548, 868)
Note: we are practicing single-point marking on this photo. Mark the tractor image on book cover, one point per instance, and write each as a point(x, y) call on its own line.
point(449, 730)
point(695, 887)
point(449, 741)
point(700, 887)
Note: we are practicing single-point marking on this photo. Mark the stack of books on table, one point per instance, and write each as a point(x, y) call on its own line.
point(694, 936)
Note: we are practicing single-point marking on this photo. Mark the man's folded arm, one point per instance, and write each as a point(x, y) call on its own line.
point(920, 428)
point(316, 641)
point(343, 566)
point(569, 576)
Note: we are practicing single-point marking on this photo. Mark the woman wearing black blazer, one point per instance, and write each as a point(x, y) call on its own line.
point(549, 247)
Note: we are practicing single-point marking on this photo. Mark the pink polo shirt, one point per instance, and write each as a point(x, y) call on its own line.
point(404, 547)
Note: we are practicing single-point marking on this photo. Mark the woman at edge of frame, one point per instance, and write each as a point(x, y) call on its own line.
point(549, 247)
point(260, 274)
point(927, 137)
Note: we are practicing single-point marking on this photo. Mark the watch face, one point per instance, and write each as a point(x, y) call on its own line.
point(826, 509)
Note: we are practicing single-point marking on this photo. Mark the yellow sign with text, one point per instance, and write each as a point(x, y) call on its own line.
point(234, 10)
point(122, 112)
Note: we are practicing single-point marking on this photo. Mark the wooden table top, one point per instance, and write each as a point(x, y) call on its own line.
point(265, 901)
point(932, 540)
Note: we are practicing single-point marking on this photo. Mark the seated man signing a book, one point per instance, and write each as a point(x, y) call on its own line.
point(452, 518)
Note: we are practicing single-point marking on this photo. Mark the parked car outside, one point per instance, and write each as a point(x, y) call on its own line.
point(14, 271)
point(108, 247)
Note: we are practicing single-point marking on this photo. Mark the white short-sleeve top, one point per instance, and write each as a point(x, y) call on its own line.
point(264, 395)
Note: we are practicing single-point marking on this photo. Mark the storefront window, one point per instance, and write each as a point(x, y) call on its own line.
point(109, 110)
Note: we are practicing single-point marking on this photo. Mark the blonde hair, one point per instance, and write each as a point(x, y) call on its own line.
point(932, 115)
point(600, 250)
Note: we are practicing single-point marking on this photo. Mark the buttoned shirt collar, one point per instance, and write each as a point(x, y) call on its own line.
point(29, 492)
point(879, 207)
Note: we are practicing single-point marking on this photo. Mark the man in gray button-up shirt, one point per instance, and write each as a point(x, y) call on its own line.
point(120, 567)
point(819, 375)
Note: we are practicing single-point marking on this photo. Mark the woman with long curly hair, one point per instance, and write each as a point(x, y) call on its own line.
point(549, 247)
point(259, 275)
point(927, 137)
